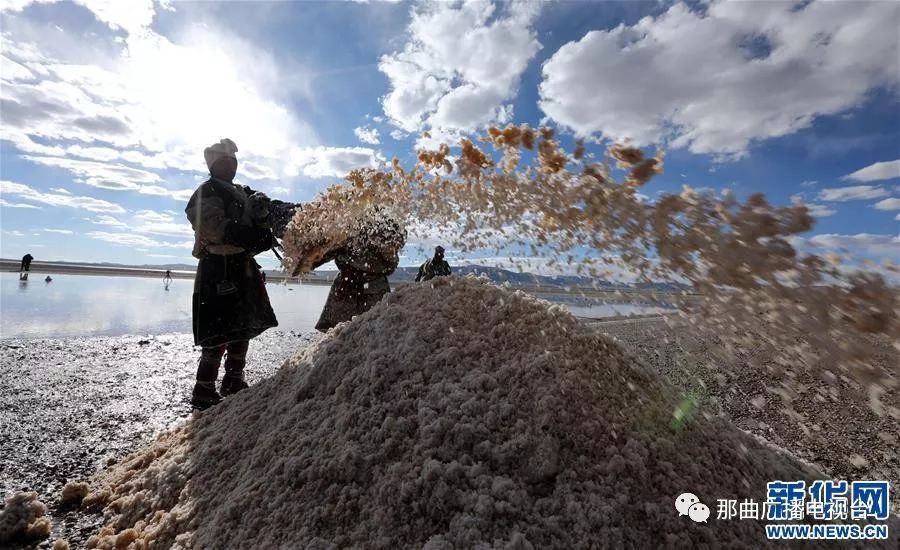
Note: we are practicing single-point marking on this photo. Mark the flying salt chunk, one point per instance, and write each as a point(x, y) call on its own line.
point(452, 414)
point(316, 229)
point(750, 288)
point(335, 219)
point(23, 518)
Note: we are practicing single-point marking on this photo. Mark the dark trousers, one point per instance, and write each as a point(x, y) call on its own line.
point(211, 357)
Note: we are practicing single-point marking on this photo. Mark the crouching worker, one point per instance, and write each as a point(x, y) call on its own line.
point(435, 266)
point(364, 263)
point(230, 303)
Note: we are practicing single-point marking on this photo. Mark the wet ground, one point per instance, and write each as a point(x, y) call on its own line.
point(69, 407)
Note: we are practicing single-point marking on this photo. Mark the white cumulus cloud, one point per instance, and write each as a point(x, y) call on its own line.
point(90, 204)
point(892, 203)
point(367, 135)
point(852, 193)
point(717, 77)
point(328, 162)
point(135, 240)
point(875, 172)
point(144, 99)
point(7, 204)
point(461, 62)
point(161, 223)
point(106, 220)
point(100, 174)
point(820, 210)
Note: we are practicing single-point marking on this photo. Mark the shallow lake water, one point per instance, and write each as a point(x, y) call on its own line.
point(95, 305)
point(99, 305)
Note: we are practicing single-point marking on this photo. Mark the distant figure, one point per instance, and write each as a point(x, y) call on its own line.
point(48, 279)
point(230, 304)
point(167, 279)
point(263, 276)
point(26, 262)
point(436, 266)
point(364, 261)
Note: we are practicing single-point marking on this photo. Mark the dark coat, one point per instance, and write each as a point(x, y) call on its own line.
point(230, 302)
point(362, 280)
point(433, 268)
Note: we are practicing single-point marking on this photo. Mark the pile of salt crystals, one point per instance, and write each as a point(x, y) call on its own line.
point(23, 518)
point(454, 414)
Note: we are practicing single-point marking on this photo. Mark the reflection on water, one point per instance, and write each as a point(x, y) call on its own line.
point(81, 305)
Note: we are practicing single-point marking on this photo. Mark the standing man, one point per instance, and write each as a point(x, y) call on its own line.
point(26, 262)
point(230, 303)
point(436, 266)
point(364, 263)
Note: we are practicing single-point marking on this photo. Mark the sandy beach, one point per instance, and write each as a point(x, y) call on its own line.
point(71, 407)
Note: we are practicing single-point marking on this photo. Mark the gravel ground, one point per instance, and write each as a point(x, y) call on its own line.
point(840, 435)
point(70, 407)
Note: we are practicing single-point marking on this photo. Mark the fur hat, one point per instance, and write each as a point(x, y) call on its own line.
point(225, 148)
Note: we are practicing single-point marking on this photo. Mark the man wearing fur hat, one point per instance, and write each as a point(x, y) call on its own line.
point(230, 303)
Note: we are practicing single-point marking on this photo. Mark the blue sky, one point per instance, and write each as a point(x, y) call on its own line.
point(106, 106)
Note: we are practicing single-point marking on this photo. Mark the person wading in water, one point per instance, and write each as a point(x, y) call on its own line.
point(25, 267)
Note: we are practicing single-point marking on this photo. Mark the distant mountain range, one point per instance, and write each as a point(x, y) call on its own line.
point(500, 276)
point(515, 278)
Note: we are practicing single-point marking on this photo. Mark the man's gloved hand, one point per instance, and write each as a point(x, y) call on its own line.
point(254, 239)
point(280, 214)
point(259, 207)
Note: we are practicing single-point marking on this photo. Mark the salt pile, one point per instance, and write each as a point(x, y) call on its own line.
point(23, 518)
point(452, 414)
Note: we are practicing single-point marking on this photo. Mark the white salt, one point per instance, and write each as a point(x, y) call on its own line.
point(452, 414)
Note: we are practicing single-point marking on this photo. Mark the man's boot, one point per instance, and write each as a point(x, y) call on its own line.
point(233, 383)
point(204, 395)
